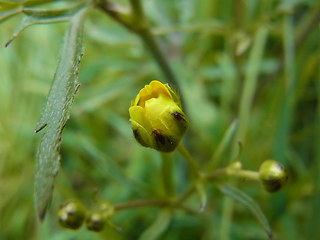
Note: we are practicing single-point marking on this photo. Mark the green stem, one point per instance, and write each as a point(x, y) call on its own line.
point(246, 102)
point(159, 57)
point(249, 86)
point(137, 9)
point(114, 10)
point(151, 43)
point(194, 168)
point(227, 212)
point(167, 165)
point(252, 175)
point(137, 23)
point(185, 195)
point(142, 203)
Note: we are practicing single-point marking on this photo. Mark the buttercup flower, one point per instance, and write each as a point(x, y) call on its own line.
point(156, 117)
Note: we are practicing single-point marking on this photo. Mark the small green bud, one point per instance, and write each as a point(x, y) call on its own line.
point(273, 175)
point(71, 214)
point(96, 219)
point(237, 165)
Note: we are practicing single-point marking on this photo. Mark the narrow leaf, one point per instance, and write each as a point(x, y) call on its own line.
point(56, 113)
point(202, 195)
point(224, 144)
point(36, 16)
point(247, 201)
point(158, 227)
point(8, 14)
point(9, 5)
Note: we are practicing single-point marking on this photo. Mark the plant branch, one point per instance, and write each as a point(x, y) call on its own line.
point(118, 13)
point(136, 23)
point(252, 175)
point(193, 165)
point(142, 203)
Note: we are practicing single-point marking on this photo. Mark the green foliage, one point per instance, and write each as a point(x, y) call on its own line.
point(253, 61)
point(158, 227)
point(248, 202)
point(57, 111)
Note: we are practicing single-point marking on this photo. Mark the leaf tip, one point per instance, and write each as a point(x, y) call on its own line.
point(41, 211)
point(202, 208)
point(41, 215)
point(270, 235)
point(7, 43)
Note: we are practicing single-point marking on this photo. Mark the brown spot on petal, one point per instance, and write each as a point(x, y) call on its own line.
point(163, 142)
point(182, 123)
point(139, 139)
point(178, 116)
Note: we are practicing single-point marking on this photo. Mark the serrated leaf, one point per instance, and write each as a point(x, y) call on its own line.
point(37, 16)
point(247, 201)
point(56, 113)
point(158, 227)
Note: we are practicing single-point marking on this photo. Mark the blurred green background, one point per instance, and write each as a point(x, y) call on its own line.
point(263, 54)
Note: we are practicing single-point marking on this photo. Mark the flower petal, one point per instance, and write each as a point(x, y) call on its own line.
point(154, 90)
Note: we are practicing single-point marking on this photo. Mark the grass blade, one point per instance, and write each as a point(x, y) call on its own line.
point(247, 201)
point(56, 113)
point(223, 145)
point(158, 227)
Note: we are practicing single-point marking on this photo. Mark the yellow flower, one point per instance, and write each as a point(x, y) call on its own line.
point(156, 117)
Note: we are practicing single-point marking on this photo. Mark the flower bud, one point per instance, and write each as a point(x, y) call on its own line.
point(96, 219)
point(273, 175)
point(156, 117)
point(71, 214)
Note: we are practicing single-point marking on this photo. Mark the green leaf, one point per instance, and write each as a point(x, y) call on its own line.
point(224, 144)
point(56, 113)
point(158, 227)
point(202, 195)
point(8, 14)
point(9, 5)
point(247, 201)
point(37, 16)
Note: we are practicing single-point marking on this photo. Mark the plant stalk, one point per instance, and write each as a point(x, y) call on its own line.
point(167, 174)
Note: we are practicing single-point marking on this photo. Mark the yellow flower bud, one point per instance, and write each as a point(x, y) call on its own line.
point(273, 175)
point(71, 214)
point(156, 117)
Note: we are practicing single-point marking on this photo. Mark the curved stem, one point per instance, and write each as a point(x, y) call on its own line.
point(193, 165)
point(158, 55)
point(137, 23)
point(151, 43)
